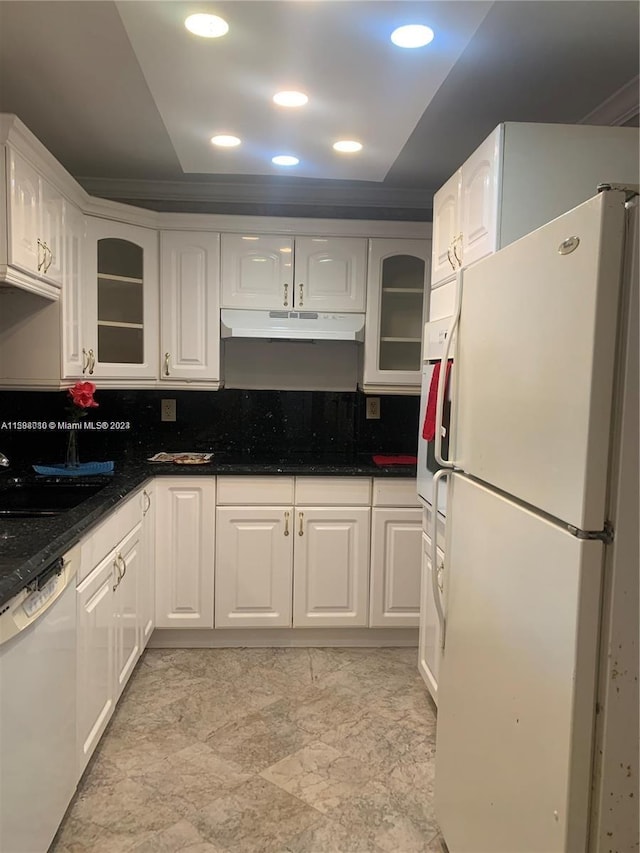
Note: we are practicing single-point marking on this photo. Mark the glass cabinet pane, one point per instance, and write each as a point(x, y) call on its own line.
point(120, 302)
point(401, 313)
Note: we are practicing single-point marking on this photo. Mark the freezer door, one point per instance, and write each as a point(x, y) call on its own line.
point(535, 363)
point(517, 678)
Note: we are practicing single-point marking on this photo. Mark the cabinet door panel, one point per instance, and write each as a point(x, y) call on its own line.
point(396, 542)
point(185, 552)
point(479, 201)
point(189, 306)
point(446, 204)
point(331, 566)
point(429, 636)
point(126, 603)
point(73, 357)
point(148, 571)
point(256, 271)
point(24, 212)
point(52, 231)
point(95, 657)
point(254, 550)
point(330, 273)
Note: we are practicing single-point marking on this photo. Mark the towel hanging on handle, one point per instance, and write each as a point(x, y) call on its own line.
point(429, 426)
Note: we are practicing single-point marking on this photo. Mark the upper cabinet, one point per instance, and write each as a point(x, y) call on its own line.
point(120, 329)
point(189, 306)
point(35, 213)
point(301, 273)
point(522, 176)
point(397, 275)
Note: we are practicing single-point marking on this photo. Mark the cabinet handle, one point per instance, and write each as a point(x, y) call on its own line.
point(286, 294)
point(47, 250)
point(117, 570)
point(439, 576)
point(300, 530)
point(286, 524)
point(453, 266)
point(92, 361)
point(459, 260)
point(300, 302)
point(40, 260)
point(85, 360)
point(166, 364)
point(123, 562)
point(147, 507)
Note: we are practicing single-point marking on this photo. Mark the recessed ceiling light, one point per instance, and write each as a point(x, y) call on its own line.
point(285, 160)
point(224, 141)
point(207, 26)
point(412, 35)
point(347, 146)
point(290, 99)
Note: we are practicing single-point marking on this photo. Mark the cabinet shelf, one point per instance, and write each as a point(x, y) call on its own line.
point(416, 290)
point(120, 325)
point(401, 340)
point(122, 278)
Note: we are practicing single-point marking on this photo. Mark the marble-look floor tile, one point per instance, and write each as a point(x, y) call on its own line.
point(328, 836)
point(131, 750)
point(191, 778)
point(319, 775)
point(182, 836)
point(84, 836)
point(257, 817)
point(392, 817)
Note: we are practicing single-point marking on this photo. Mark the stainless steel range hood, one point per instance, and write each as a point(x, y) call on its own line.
point(291, 325)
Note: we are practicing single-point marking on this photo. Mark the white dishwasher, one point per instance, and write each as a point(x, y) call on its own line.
point(38, 708)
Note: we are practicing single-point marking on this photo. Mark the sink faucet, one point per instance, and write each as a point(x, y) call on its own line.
point(4, 462)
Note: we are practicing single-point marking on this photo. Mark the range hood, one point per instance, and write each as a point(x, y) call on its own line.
point(291, 325)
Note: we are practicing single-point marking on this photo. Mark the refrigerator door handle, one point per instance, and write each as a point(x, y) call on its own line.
point(435, 587)
point(442, 380)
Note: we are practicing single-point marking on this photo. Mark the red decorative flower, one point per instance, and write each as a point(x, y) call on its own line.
point(81, 395)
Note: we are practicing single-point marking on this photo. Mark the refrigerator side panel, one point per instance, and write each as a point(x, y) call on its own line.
point(616, 794)
point(535, 363)
point(517, 679)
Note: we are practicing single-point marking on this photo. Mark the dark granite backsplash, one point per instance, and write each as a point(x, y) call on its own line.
point(260, 424)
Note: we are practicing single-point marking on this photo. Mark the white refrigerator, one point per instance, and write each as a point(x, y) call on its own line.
point(537, 738)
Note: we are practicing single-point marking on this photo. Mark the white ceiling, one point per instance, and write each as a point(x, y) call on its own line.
point(127, 99)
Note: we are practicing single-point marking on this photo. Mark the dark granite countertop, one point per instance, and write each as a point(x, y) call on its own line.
point(29, 545)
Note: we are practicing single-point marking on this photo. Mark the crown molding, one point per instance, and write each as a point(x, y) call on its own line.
point(618, 108)
point(310, 194)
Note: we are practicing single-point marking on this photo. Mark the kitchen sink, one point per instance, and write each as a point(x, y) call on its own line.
point(22, 498)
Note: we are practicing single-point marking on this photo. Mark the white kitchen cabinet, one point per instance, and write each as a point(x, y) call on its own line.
point(185, 540)
point(398, 274)
point(302, 273)
point(74, 362)
point(189, 306)
point(254, 562)
point(126, 607)
point(396, 550)
point(147, 607)
point(331, 566)
point(520, 177)
point(35, 213)
point(430, 634)
point(120, 329)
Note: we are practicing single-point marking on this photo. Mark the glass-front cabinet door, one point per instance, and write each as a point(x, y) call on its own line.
point(398, 275)
point(121, 327)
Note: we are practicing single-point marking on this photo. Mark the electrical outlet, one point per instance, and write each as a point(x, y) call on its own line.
point(373, 408)
point(167, 410)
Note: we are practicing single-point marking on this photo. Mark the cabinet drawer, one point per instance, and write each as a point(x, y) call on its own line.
point(255, 490)
point(105, 536)
point(395, 492)
point(333, 491)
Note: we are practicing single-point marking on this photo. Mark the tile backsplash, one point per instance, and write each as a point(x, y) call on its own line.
point(258, 423)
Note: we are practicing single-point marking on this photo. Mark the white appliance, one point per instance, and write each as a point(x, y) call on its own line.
point(38, 709)
point(539, 609)
point(291, 325)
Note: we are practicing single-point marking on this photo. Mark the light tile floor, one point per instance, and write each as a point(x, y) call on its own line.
point(263, 751)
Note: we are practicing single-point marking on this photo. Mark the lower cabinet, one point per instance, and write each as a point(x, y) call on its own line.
point(109, 629)
point(396, 550)
point(254, 561)
point(185, 537)
point(430, 634)
point(148, 566)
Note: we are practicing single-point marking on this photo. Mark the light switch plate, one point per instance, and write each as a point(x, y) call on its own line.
point(167, 410)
